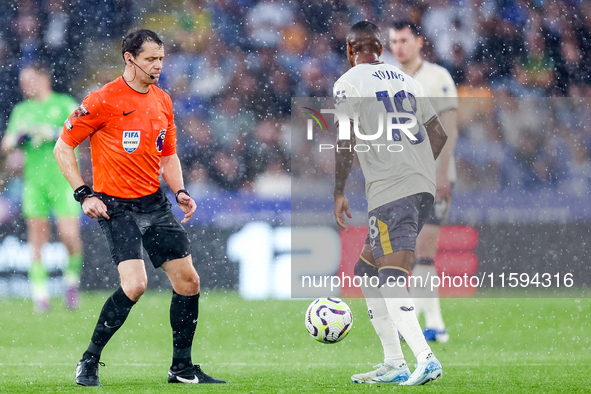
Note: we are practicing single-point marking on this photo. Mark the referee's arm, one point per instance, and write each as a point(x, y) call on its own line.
point(66, 160)
point(171, 172)
point(68, 164)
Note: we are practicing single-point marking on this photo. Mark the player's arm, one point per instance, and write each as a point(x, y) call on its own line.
point(437, 135)
point(68, 164)
point(170, 167)
point(344, 156)
point(12, 137)
point(449, 121)
point(8, 143)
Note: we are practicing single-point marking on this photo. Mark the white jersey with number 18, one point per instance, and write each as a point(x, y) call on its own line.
point(398, 163)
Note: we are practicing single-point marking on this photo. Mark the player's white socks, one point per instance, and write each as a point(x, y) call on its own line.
point(397, 363)
point(401, 309)
point(426, 298)
point(424, 356)
point(382, 323)
point(418, 289)
point(433, 318)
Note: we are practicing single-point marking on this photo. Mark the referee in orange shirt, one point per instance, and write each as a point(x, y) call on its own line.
point(132, 134)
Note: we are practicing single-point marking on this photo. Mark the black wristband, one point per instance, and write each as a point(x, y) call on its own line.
point(82, 192)
point(176, 195)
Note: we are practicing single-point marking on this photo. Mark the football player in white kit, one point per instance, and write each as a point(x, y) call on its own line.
point(405, 44)
point(399, 170)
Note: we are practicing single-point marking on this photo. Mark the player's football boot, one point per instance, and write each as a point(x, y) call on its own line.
point(72, 297)
point(87, 372)
point(383, 374)
point(41, 305)
point(192, 374)
point(425, 372)
point(432, 335)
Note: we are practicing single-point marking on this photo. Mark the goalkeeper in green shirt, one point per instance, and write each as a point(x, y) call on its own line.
point(34, 126)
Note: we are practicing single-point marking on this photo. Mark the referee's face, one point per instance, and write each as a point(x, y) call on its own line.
point(150, 60)
point(404, 45)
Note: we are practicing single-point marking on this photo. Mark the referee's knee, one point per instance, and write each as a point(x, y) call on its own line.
point(135, 289)
point(187, 284)
point(193, 283)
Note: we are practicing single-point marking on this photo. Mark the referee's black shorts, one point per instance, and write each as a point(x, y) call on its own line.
point(145, 222)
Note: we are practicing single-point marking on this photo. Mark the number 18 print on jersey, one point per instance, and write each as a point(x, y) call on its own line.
point(398, 161)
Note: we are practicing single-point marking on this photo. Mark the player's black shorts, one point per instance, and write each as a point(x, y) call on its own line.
point(145, 222)
point(395, 226)
point(439, 211)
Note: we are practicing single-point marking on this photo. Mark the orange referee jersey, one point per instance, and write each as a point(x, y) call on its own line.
point(129, 132)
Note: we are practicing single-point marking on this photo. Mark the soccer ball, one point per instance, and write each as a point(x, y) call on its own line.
point(328, 320)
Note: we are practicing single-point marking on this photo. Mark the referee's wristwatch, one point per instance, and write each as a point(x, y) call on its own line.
point(82, 193)
point(176, 195)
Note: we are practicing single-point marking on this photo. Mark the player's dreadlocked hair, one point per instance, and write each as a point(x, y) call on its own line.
point(364, 36)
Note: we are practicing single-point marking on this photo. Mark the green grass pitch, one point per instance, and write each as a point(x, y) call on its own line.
point(497, 346)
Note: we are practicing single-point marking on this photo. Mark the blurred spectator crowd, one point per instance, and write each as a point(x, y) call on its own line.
point(232, 67)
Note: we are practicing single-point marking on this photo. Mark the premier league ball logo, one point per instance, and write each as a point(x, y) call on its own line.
point(160, 140)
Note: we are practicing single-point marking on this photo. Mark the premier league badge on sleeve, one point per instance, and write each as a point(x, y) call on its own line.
point(160, 140)
point(131, 140)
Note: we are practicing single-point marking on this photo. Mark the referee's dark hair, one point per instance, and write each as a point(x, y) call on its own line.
point(134, 40)
point(364, 36)
point(414, 28)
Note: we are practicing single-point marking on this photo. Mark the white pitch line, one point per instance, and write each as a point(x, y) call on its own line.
point(521, 364)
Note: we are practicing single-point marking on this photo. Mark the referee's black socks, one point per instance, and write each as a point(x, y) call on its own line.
point(113, 315)
point(184, 311)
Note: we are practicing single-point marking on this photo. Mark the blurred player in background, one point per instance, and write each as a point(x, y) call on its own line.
point(34, 126)
point(405, 44)
point(400, 188)
point(130, 124)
